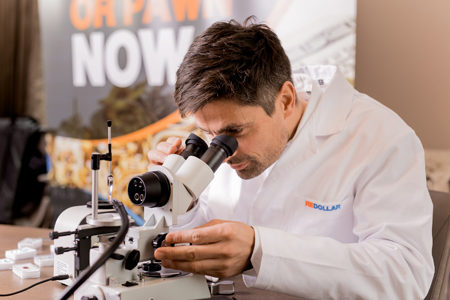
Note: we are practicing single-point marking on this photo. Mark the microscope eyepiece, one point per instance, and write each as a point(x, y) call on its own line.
point(195, 146)
point(227, 143)
point(222, 146)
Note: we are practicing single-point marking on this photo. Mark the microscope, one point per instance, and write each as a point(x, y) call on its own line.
point(83, 235)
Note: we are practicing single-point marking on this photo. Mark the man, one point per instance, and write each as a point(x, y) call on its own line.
point(325, 197)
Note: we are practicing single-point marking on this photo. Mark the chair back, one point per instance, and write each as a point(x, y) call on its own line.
point(441, 246)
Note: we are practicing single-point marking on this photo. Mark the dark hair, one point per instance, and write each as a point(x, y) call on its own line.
point(229, 60)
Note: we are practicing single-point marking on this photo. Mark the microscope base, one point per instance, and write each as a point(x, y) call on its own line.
point(178, 288)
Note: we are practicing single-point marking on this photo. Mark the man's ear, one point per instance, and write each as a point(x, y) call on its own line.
point(287, 98)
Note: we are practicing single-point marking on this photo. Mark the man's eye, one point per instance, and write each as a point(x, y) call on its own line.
point(234, 131)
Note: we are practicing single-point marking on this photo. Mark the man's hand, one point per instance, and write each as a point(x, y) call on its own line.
point(157, 156)
point(222, 249)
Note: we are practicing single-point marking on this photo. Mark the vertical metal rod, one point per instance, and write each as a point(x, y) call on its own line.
point(94, 194)
point(110, 179)
point(109, 143)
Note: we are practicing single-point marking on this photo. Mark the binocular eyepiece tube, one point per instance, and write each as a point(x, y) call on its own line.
point(152, 189)
point(195, 146)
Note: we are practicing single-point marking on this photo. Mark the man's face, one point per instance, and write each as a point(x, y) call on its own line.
point(262, 139)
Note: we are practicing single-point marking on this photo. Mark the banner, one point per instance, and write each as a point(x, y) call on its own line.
point(117, 59)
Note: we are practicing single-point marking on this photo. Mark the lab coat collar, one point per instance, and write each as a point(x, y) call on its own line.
point(325, 115)
point(335, 105)
point(335, 102)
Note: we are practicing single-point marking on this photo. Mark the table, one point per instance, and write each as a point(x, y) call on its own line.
point(9, 282)
point(242, 292)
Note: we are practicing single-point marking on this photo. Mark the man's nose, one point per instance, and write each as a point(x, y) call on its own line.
point(226, 159)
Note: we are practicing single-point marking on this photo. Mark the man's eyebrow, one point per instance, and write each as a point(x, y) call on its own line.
point(228, 127)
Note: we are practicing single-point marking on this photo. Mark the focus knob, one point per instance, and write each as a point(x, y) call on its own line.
point(132, 259)
point(159, 240)
point(61, 250)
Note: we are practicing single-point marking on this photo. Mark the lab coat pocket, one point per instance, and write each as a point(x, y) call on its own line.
point(319, 218)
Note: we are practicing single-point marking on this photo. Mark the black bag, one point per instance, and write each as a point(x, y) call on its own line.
point(21, 162)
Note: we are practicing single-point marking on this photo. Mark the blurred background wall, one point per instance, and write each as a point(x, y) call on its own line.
point(403, 61)
point(21, 74)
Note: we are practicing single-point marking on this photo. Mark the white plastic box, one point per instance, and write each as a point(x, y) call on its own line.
point(44, 260)
point(6, 264)
point(23, 253)
point(30, 243)
point(27, 271)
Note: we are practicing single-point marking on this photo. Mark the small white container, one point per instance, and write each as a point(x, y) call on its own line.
point(44, 260)
point(30, 243)
point(27, 271)
point(23, 253)
point(6, 264)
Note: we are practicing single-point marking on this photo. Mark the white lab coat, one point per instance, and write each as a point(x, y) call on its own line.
point(345, 212)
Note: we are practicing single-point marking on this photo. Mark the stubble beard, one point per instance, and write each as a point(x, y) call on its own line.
point(257, 167)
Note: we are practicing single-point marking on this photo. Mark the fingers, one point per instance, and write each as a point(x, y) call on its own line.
point(157, 156)
point(209, 234)
point(211, 259)
point(171, 146)
point(174, 141)
point(189, 253)
point(210, 267)
point(221, 249)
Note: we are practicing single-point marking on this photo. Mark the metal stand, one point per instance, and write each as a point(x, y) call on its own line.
point(107, 219)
